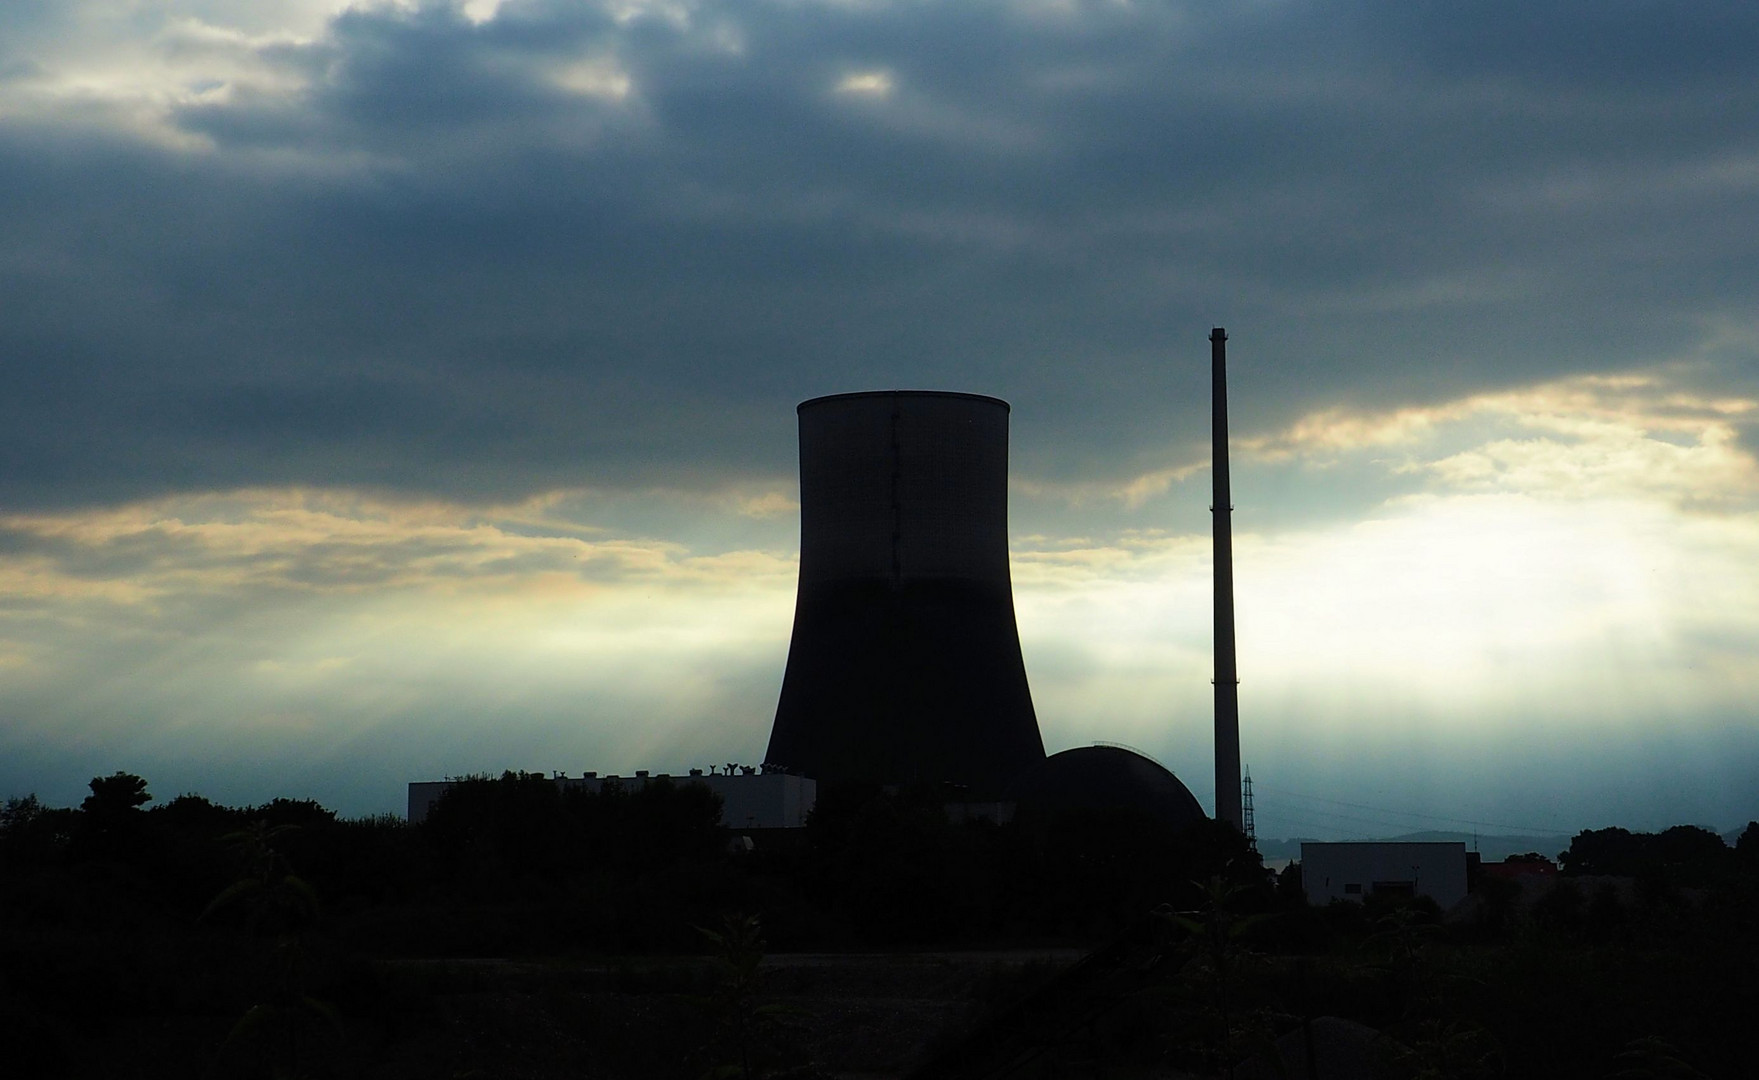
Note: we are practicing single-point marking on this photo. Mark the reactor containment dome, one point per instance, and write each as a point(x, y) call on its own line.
point(1102, 779)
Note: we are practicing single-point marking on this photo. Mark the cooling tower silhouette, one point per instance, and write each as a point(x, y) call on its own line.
point(905, 663)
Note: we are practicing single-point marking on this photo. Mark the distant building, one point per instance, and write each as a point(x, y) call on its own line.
point(750, 799)
point(1357, 870)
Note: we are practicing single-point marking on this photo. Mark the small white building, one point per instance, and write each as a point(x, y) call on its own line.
point(1359, 869)
point(749, 799)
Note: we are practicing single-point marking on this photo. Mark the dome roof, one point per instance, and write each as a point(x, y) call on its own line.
point(1090, 778)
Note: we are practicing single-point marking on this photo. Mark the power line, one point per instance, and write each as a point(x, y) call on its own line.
point(1300, 816)
point(1308, 814)
point(1531, 829)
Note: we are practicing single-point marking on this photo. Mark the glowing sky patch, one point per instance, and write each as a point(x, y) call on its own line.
point(596, 78)
point(872, 84)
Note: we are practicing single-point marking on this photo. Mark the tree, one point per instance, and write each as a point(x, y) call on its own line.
point(112, 816)
point(114, 796)
point(18, 814)
point(1601, 851)
point(196, 817)
point(31, 832)
point(1747, 847)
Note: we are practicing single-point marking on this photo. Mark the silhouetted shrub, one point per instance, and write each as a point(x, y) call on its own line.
point(1560, 910)
point(1683, 854)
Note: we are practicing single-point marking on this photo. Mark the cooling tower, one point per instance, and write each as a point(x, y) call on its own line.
point(905, 663)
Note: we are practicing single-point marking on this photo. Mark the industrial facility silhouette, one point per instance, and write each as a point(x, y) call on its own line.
point(905, 666)
point(904, 669)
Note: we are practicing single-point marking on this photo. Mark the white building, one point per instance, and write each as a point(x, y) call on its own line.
point(749, 799)
point(1356, 870)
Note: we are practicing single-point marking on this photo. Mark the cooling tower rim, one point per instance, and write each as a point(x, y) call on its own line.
point(906, 394)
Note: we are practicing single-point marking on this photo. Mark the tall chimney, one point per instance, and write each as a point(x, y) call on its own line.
point(905, 665)
point(1227, 683)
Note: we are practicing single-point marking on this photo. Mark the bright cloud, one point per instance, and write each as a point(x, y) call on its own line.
point(876, 84)
point(1627, 408)
point(329, 541)
point(600, 78)
point(127, 66)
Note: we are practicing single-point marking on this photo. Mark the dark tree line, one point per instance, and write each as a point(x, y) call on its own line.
point(1683, 854)
point(517, 863)
point(270, 936)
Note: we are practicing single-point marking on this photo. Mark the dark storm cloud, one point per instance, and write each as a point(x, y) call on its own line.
point(455, 259)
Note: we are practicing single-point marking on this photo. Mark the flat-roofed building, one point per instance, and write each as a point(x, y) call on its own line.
point(750, 798)
point(1356, 870)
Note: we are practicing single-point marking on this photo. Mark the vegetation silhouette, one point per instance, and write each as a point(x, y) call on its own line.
point(1216, 933)
point(527, 929)
point(280, 905)
point(750, 1036)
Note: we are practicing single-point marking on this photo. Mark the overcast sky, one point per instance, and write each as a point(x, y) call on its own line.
point(397, 390)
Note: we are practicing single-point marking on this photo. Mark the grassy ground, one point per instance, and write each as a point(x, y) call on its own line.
point(865, 1015)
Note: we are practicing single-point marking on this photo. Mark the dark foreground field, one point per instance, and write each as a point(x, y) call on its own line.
point(856, 1015)
point(522, 936)
point(1526, 1009)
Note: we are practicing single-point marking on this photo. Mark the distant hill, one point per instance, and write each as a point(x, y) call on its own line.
point(1490, 848)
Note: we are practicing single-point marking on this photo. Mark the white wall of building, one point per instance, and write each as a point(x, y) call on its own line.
point(753, 800)
point(1357, 870)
